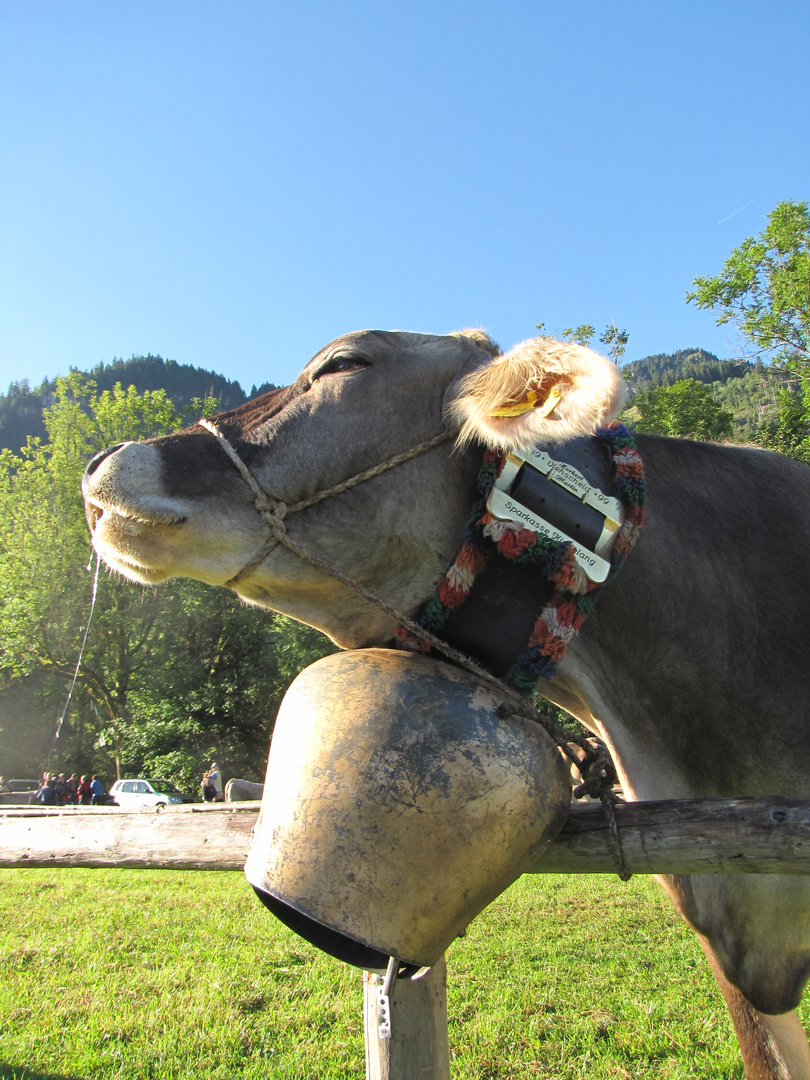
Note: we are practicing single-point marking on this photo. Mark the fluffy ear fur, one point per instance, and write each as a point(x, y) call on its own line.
point(542, 391)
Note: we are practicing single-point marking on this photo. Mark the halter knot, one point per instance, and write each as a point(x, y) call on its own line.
point(264, 502)
point(274, 514)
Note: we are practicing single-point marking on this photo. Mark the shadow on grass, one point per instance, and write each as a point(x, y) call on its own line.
point(19, 1072)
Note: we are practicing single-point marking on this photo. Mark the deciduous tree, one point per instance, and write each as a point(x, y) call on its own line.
point(764, 286)
point(616, 341)
point(582, 335)
point(169, 677)
point(764, 290)
point(685, 409)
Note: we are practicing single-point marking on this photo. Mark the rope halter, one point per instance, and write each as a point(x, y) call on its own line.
point(274, 511)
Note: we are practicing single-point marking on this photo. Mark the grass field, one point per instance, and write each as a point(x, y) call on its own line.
point(150, 975)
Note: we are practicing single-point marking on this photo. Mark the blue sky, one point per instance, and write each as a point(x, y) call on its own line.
point(233, 184)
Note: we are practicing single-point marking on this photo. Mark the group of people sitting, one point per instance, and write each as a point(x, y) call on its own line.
point(56, 789)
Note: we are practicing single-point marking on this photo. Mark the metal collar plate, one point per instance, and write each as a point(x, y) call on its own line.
point(554, 499)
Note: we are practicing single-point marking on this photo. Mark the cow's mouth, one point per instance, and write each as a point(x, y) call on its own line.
point(129, 520)
point(128, 540)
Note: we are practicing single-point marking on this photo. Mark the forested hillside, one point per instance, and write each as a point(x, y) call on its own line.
point(748, 391)
point(664, 369)
point(21, 407)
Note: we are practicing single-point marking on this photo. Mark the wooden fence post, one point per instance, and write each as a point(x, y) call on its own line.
point(416, 1048)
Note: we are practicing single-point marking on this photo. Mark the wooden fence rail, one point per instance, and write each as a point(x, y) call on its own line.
point(704, 836)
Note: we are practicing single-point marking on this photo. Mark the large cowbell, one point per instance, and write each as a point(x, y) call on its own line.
point(398, 804)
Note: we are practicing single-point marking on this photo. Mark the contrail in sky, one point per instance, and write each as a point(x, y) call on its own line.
point(720, 222)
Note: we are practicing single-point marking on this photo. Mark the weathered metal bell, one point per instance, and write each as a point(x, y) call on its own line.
point(398, 804)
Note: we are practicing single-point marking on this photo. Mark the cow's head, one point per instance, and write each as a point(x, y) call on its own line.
point(176, 506)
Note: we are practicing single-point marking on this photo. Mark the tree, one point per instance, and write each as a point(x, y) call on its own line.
point(213, 685)
point(582, 335)
point(685, 409)
point(168, 677)
point(789, 433)
point(616, 341)
point(764, 290)
point(44, 542)
point(764, 286)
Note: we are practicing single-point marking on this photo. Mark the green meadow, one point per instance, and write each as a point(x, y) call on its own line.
point(176, 976)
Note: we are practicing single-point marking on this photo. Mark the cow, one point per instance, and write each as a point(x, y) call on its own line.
point(243, 790)
point(692, 667)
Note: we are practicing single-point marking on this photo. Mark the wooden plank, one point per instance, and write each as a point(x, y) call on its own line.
point(417, 1047)
point(703, 836)
point(687, 836)
point(205, 837)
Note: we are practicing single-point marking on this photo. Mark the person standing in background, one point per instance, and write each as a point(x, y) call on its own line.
point(209, 792)
point(215, 778)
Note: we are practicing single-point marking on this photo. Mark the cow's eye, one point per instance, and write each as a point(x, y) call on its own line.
point(336, 364)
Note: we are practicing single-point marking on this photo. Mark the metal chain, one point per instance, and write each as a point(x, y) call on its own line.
point(596, 765)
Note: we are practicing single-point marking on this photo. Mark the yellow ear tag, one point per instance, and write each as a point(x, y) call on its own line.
point(530, 402)
point(552, 401)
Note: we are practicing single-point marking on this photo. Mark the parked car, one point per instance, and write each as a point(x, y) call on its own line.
point(142, 792)
point(18, 792)
point(22, 785)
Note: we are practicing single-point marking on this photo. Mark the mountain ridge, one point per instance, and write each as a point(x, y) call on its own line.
point(21, 406)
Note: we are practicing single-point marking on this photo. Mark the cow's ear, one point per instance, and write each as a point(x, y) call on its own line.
point(542, 391)
point(481, 339)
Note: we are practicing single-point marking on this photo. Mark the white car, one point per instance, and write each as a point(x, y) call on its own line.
point(145, 793)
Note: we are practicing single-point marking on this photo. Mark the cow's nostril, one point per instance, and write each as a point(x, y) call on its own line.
point(97, 459)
